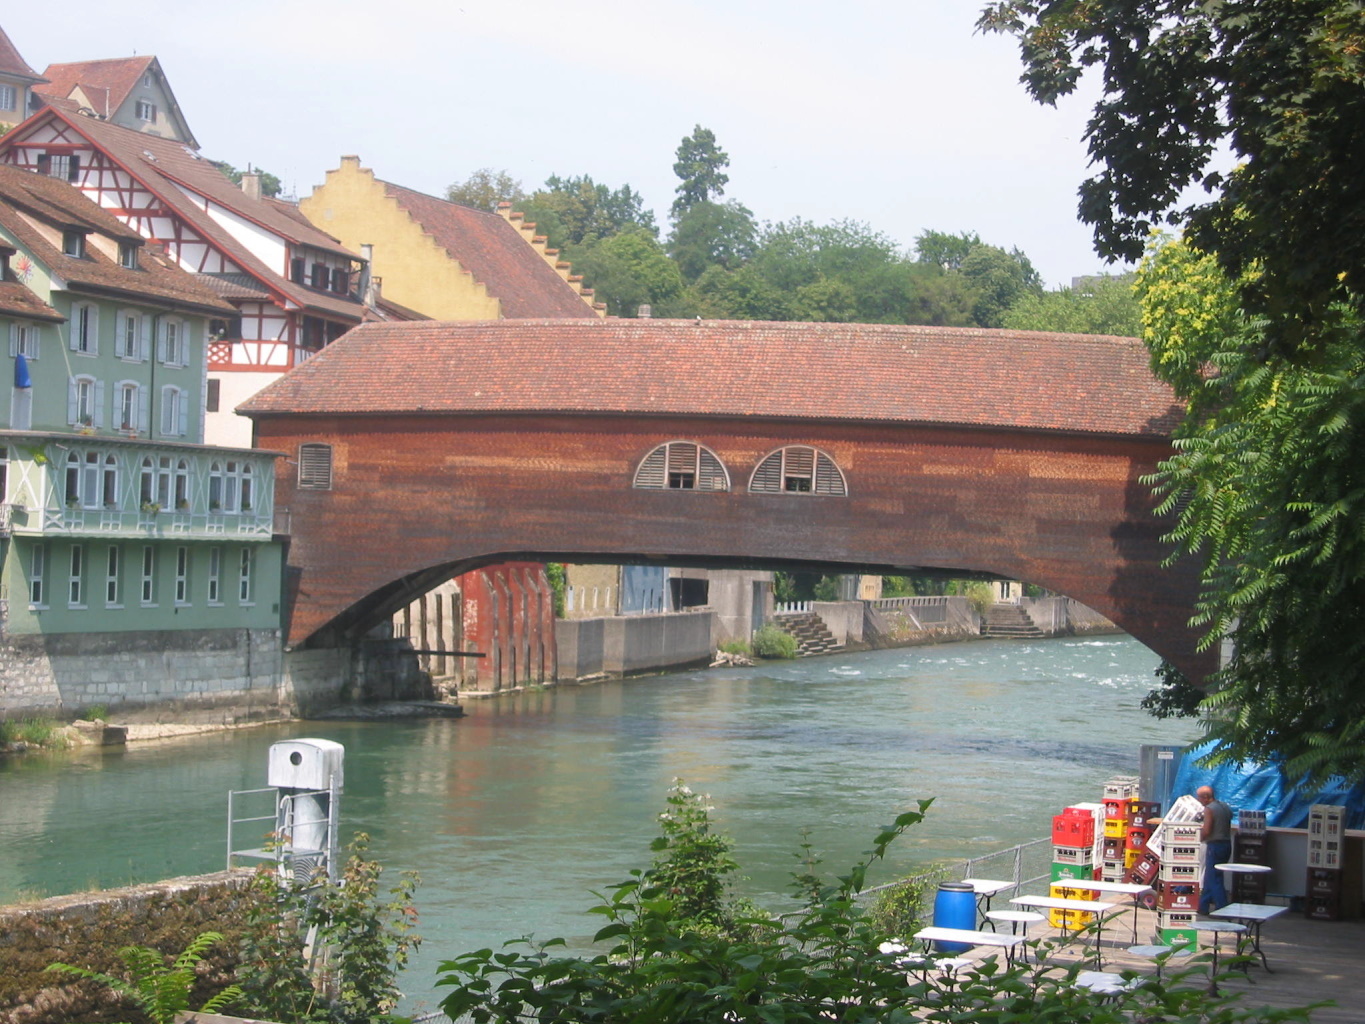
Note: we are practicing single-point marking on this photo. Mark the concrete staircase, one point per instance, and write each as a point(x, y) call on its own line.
point(1008, 621)
point(812, 635)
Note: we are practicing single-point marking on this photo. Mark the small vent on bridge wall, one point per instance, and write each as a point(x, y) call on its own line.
point(315, 467)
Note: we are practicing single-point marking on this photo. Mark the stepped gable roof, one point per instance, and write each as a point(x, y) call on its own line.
point(494, 252)
point(13, 64)
point(64, 206)
point(839, 372)
point(167, 168)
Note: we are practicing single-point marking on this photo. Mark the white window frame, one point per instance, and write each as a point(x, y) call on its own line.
point(215, 578)
point(147, 588)
point(113, 584)
point(182, 576)
point(109, 482)
point(180, 492)
point(25, 340)
point(9, 98)
point(173, 342)
point(244, 581)
point(85, 329)
point(85, 401)
point(37, 576)
point(145, 110)
point(175, 411)
point(130, 336)
point(75, 593)
point(130, 406)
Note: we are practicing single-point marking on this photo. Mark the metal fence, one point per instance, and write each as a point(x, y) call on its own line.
point(1024, 865)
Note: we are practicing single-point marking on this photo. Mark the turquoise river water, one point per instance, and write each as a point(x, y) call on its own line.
point(515, 812)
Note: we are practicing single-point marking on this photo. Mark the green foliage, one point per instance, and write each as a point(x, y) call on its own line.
point(158, 990)
point(1280, 83)
point(1174, 697)
point(771, 641)
point(554, 572)
point(998, 279)
point(712, 235)
point(485, 189)
point(737, 647)
point(36, 732)
point(362, 936)
point(628, 270)
point(699, 166)
point(270, 184)
point(96, 713)
point(979, 595)
point(574, 211)
point(943, 250)
point(907, 906)
point(1099, 305)
point(826, 962)
point(692, 864)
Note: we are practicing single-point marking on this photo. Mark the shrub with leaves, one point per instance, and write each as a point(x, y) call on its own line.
point(772, 641)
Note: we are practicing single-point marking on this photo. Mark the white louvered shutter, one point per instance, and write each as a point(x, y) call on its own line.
point(97, 387)
point(653, 471)
point(767, 478)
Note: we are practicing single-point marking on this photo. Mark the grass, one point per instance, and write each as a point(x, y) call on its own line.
point(36, 732)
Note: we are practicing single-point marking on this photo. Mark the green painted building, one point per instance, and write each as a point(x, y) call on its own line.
point(114, 516)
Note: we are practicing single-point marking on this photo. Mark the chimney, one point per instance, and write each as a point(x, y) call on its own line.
point(369, 287)
point(644, 312)
point(251, 184)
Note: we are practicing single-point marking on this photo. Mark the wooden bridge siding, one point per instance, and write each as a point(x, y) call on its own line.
point(412, 493)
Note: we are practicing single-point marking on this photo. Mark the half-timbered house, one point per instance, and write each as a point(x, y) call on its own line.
point(115, 518)
point(292, 287)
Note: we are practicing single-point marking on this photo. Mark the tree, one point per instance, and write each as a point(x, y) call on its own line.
point(270, 185)
point(943, 250)
point(485, 189)
point(1281, 83)
point(568, 211)
point(712, 234)
point(998, 279)
point(699, 165)
point(1268, 461)
point(628, 270)
point(1098, 305)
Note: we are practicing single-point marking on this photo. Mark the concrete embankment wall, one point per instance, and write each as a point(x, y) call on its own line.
point(906, 621)
point(228, 676)
point(623, 645)
point(87, 929)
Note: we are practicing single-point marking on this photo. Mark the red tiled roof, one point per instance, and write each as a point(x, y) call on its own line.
point(17, 300)
point(62, 205)
point(110, 80)
point(850, 372)
point(163, 165)
point(494, 252)
point(13, 64)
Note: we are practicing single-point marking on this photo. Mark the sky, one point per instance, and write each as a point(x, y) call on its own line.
point(894, 113)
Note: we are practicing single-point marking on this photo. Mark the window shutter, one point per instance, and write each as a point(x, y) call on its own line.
point(35, 342)
point(767, 478)
point(13, 340)
point(712, 474)
point(73, 171)
point(167, 397)
point(73, 328)
point(315, 467)
point(144, 347)
point(800, 461)
point(97, 387)
point(161, 343)
point(143, 411)
point(72, 386)
point(682, 457)
point(653, 470)
point(828, 479)
point(183, 407)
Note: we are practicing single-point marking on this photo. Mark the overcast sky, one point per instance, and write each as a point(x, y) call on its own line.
point(891, 112)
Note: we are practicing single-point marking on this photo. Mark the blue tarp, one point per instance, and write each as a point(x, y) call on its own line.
point(1263, 787)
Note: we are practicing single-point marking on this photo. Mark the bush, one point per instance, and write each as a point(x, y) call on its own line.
point(737, 647)
point(774, 642)
point(904, 908)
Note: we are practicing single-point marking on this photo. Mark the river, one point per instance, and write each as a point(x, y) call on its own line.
point(513, 813)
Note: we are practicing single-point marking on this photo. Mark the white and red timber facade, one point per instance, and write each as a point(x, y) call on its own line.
point(293, 287)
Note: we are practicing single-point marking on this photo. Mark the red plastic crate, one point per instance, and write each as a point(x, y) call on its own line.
point(1144, 872)
point(1137, 837)
point(1178, 896)
point(1073, 828)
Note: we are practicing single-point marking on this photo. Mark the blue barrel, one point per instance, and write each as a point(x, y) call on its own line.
point(954, 907)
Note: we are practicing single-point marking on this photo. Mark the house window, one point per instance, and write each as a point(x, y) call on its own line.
point(173, 343)
point(148, 80)
point(109, 488)
point(85, 329)
point(113, 590)
point(182, 485)
point(75, 597)
point(131, 408)
point(146, 483)
point(341, 280)
point(244, 578)
point(9, 98)
point(682, 466)
point(146, 110)
point(73, 243)
point(216, 488)
point(148, 588)
point(83, 480)
point(798, 469)
point(174, 411)
point(128, 339)
point(321, 275)
point(154, 483)
point(37, 576)
point(298, 268)
point(246, 490)
point(127, 255)
point(315, 467)
point(85, 402)
point(215, 589)
point(23, 340)
point(182, 575)
point(66, 166)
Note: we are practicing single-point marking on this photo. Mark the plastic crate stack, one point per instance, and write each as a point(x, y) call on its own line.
point(1073, 863)
point(1125, 832)
point(1326, 831)
point(1179, 874)
point(1249, 847)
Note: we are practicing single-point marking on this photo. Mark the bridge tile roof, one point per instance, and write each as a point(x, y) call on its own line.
point(848, 372)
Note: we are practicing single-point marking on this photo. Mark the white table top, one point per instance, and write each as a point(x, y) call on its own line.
point(1018, 916)
point(1056, 903)
point(1249, 911)
point(1127, 888)
point(970, 937)
point(987, 886)
point(1219, 926)
point(1245, 869)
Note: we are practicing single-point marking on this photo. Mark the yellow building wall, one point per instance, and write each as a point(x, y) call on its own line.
point(415, 271)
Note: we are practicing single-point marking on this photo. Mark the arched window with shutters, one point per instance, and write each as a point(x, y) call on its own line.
point(682, 466)
point(315, 467)
point(798, 469)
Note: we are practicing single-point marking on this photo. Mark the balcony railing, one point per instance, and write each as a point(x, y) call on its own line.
point(106, 522)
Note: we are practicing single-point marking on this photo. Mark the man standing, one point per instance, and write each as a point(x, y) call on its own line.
point(1216, 835)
